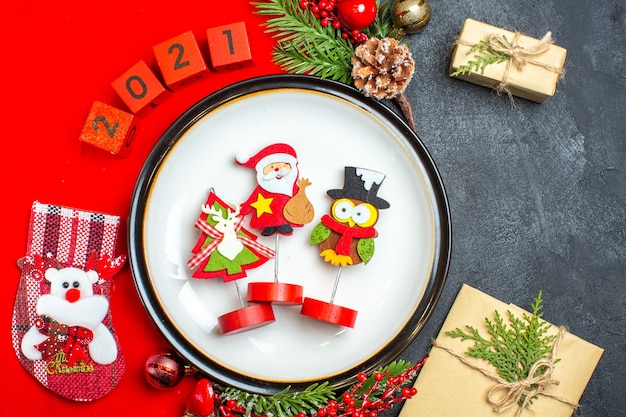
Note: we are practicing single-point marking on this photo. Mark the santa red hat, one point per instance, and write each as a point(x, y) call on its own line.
point(278, 152)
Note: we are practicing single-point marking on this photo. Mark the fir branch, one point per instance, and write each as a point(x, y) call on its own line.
point(484, 55)
point(304, 46)
point(283, 403)
point(512, 349)
point(324, 63)
point(382, 24)
point(380, 392)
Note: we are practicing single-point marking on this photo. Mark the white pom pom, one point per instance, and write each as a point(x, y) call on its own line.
point(242, 157)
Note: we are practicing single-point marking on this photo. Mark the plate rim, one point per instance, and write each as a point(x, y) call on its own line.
point(188, 118)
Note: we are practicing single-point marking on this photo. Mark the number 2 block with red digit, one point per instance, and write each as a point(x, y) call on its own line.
point(180, 61)
point(140, 89)
point(109, 128)
point(229, 47)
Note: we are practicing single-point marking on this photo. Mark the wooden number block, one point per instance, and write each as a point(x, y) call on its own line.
point(140, 89)
point(229, 47)
point(180, 61)
point(109, 128)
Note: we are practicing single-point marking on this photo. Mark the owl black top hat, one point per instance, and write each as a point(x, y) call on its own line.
point(361, 184)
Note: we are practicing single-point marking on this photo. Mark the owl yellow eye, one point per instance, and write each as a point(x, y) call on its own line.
point(342, 209)
point(365, 215)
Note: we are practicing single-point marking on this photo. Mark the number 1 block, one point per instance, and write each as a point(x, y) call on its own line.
point(229, 47)
point(109, 128)
point(180, 61)
point(140, 89)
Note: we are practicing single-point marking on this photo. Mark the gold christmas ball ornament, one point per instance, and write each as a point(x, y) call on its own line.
point(410, 16)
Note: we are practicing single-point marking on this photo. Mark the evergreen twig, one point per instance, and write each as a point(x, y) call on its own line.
point(512, 349)
point(303, 45)
point(382, 26)
point(484, 55)
point(380, 394)
point(283, 403)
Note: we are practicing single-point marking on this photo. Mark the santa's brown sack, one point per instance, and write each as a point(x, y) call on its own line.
point(299, 209)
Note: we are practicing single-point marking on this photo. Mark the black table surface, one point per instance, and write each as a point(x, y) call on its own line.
point(537, 192)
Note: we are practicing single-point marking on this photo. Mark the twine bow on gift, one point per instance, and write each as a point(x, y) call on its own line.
point(505, 394)
point(538, 379)
point(520, 55)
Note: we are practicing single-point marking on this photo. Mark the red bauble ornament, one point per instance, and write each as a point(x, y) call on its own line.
point(356, 14)
point(201, 402)
point(164, 369)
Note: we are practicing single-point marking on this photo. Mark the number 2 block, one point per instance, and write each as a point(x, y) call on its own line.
point(140, 89)
point(180, 61)
point(229, 47)
point(109, 128)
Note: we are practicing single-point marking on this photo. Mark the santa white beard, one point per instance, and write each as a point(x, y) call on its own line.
point(279, 182)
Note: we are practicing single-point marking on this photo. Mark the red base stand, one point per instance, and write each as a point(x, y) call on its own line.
point(275, 292)
point(328, 312)
point(246, 318)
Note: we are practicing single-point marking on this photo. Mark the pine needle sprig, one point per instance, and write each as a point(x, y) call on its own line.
point(283, 403)
point(376, 393)
point(381, 25)
point(304, 46)
point(484, 55)
point(512, 349)
point(324, 63)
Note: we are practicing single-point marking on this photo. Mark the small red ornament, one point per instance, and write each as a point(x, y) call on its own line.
point(356, 14)
point(201, 402)
point(164, 369)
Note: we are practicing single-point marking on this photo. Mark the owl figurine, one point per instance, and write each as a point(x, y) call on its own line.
point(346, 235)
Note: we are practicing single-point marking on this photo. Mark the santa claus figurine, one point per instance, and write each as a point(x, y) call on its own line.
point(275, 203)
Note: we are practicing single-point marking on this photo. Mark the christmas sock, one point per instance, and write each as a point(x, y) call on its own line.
point(62, 330)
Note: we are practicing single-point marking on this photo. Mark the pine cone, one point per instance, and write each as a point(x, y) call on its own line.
point(382, 68)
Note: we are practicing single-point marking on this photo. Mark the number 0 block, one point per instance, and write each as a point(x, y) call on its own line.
point(140, 89)
point(180, 61)
point(229, 47)
point(109, 128)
